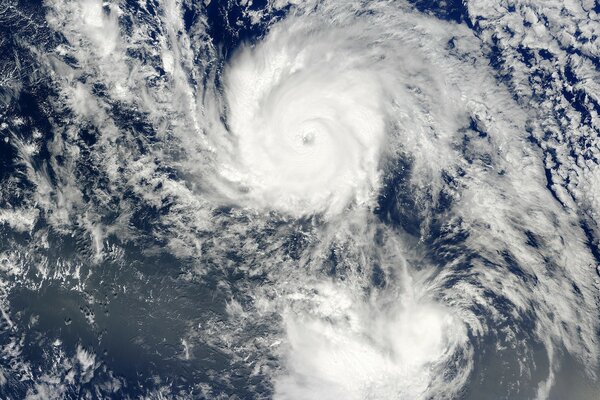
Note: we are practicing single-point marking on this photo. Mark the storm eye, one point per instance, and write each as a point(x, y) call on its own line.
point(308, 138)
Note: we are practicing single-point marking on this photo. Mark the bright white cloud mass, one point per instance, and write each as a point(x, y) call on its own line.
point(357, 200)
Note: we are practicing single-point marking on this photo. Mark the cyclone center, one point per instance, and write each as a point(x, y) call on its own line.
point(308, 138)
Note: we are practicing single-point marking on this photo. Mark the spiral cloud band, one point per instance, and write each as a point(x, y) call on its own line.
point(322, 199)
point(307, 123)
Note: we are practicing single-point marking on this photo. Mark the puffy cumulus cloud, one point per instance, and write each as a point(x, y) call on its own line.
point(549, 57)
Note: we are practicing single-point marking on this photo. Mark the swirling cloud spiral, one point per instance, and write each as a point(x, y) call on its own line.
point(307, 123)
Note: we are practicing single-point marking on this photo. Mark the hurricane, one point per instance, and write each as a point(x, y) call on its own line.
point(296, 148)
point(299, 200)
